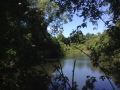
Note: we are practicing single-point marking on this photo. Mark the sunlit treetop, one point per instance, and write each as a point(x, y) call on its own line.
point(53, 14)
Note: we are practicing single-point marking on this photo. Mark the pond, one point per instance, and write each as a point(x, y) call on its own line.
point(84, 68)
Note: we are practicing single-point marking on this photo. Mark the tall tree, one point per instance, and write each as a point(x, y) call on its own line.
point(77, 37)
point(25, 42)
point(60, 37)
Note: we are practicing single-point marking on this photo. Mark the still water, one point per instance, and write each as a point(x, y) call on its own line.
point(84, 68)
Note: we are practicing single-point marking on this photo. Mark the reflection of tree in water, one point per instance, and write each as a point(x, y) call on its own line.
point(80, 65)
point(110, 68)
point(94, 68)
point(117, 79)
point(87, 64)
point(90, 80)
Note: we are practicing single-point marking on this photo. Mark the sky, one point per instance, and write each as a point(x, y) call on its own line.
point(78, 21)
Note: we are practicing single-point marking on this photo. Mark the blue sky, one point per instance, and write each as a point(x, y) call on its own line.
point(78, 21)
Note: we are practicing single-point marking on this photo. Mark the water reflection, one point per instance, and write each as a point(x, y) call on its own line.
point(84, 68)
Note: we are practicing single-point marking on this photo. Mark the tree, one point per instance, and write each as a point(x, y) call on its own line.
point(60, 37)
point(77, 37)
point(24, 45)
point(89, 36)
point(53, 15)
point(66, 41)
point(105, 52)
point(92, 9)
point(24, 36)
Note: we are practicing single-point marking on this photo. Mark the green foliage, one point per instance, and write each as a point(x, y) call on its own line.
point(77, 37)
point(60, 37)
point(24, 44)
point(105, 51)
point(89, 36)
point(91, 10)
point(53, 15)
point(98, 43)
point(48, 10)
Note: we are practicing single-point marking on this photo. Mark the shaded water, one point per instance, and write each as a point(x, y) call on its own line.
point(84, 68)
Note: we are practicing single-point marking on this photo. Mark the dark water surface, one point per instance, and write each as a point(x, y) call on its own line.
point(84, 68)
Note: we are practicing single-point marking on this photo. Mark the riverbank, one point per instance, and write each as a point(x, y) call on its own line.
point(78, 52)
